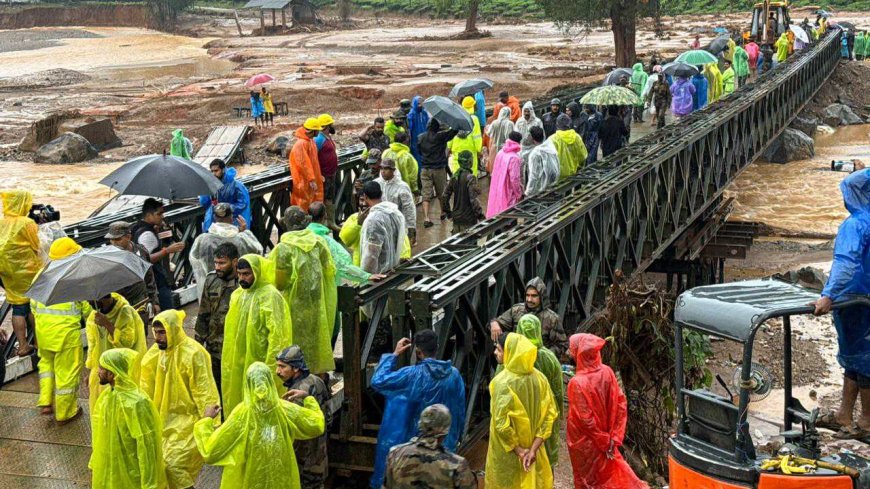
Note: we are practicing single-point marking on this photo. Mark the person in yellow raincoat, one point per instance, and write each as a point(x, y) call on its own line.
point(61, 356)
point(546, 362)
point(470, 141)
point(522, 414)
point(19, 247)
point(256, 328)
point(176, 375)
point(305, 275)
point(781, 49)
point(255, 443)
point(113, 323)
point(125, 429)
point(714, 82)
point(569, 146)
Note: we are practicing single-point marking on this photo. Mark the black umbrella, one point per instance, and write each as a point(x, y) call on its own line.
point(470, 87)
point(169, 177)
point(614, 76)
point(448, 113)
point(87, 275)
point(846, 25)
point(678, 69)
point(719, 44)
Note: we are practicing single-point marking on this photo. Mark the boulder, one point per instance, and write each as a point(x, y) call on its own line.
point(809, 277)
point(805, 124)
point(68, 148)
point(836, 115)
point(791, 145)
point(280, 144)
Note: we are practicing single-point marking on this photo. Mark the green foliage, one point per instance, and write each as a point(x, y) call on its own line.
point(682, 7)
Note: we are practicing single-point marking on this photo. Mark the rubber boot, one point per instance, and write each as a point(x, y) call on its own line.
point(330, 217)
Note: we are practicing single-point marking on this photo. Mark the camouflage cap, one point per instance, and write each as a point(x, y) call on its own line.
point(435, 421)
point(293, 356)
point(295, 218)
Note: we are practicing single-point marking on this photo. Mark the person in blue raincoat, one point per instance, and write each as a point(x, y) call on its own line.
point(850, 276)
point(418, 120)
point(480, 109)
point(410, 390)
point(700, 97)
point(232, 192)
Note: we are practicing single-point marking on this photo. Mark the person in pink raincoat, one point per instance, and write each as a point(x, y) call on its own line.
point(506, 186)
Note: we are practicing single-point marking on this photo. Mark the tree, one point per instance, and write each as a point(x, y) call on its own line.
point(585, 14)
point(166, 12)
point(344, 10)
point(471, 19)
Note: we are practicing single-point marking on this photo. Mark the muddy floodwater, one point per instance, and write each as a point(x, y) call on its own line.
point(801, 197)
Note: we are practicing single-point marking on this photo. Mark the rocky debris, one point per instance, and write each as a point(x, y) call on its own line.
point(99, 132)
point(280, 144)
point(68, 148)
point(791, 145)
point(809, 277)
point(836, 115)
point(806, 124)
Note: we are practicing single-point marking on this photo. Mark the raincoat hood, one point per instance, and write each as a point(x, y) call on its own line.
point(856, 192)
point(229, 175)
point(223, 229)
point(586, 350)
point(538, 284)
point(121, 362)
point(504, 113)
point(178, 134)
point(530, 326)
point(301, 134)
point(637, 67)
point(519, 354)
point(17, 203)
point(173, 321)
point(417, 104)
point(263, 271)
point(399, 148)
point(529, 105)
point(568, 136)
point(511, 146)
point(319, 229)
point(304, 239)
point(261, 395)
point(575, 110)
point(438, 369)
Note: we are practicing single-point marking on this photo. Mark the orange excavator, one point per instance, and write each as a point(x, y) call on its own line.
point(712, 447)
point(769, 21)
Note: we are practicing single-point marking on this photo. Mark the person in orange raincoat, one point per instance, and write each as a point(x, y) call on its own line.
point(597, 413)
point(509, 101)
point(304, 167)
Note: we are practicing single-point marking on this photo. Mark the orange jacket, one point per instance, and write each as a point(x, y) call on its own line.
point(513, 103)
point(304, 170)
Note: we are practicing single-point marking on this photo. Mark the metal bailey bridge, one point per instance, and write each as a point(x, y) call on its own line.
point(655, 205)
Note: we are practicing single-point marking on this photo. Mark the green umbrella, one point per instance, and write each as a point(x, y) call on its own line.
point(610, 95)
point(697, 57)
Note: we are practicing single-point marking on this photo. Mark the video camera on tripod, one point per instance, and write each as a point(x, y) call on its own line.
point(43, 213)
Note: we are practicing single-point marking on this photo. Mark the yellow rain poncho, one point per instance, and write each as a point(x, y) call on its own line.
point(714, 82)
point(180, 381)
point(305, 275)
point(781, 46)
point(256, 329)
point(571, 150)
point(129, 333)
point(125, 430)
point(521, 409)
point(19, 246)
point(546, 363)
point(255, 443)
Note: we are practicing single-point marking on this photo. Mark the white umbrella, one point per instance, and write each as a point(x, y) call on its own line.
point(799, 33)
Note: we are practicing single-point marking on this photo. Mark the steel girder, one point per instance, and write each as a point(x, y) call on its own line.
point(619, 214)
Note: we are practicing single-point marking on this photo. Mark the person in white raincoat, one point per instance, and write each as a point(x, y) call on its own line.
point(382, 234)
point(543, 164)
point(527, 120)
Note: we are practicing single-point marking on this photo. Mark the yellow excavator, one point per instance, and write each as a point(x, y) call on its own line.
point(769, 21)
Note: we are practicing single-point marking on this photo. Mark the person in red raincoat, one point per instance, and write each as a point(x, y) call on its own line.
point(597, 413)
point(304, 167)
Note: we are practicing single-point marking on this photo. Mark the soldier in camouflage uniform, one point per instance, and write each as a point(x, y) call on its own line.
point(311, 454)
point(215, 303)
point(423, 462)
point(555, 338)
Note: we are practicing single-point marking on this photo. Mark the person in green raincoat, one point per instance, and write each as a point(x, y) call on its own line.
point(522, 415)
point(256, 328)
point(400, 153)
point(638, 81)
point(781, 49)
point(176, 374)
point(860, 46)
point(741, 65)
point(125, 429)
point(569, 146)
point(396, 124)
point(467, 141)
point(180, 145)
point(305, 275)
point(113, 323)
point(255, 443)
point(728, 79)
point(546, 363)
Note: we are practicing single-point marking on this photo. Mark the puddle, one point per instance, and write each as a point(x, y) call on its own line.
point(196, 67)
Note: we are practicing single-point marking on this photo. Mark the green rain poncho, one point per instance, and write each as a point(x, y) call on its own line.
point(638, 81)
point(305, 275)
point(571, 150)
point(344, 266)
point(178, 147)
point(781, 46)
point(255, 443)
point(125, 430)
point(546, 363)
point(129, 333)
point(741, 62)
point(521, 409)
point(256, 329)
point(180, 381)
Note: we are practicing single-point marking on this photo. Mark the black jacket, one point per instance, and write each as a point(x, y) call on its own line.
point(433, 148)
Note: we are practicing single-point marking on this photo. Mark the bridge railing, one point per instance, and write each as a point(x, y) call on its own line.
point(621, 213)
